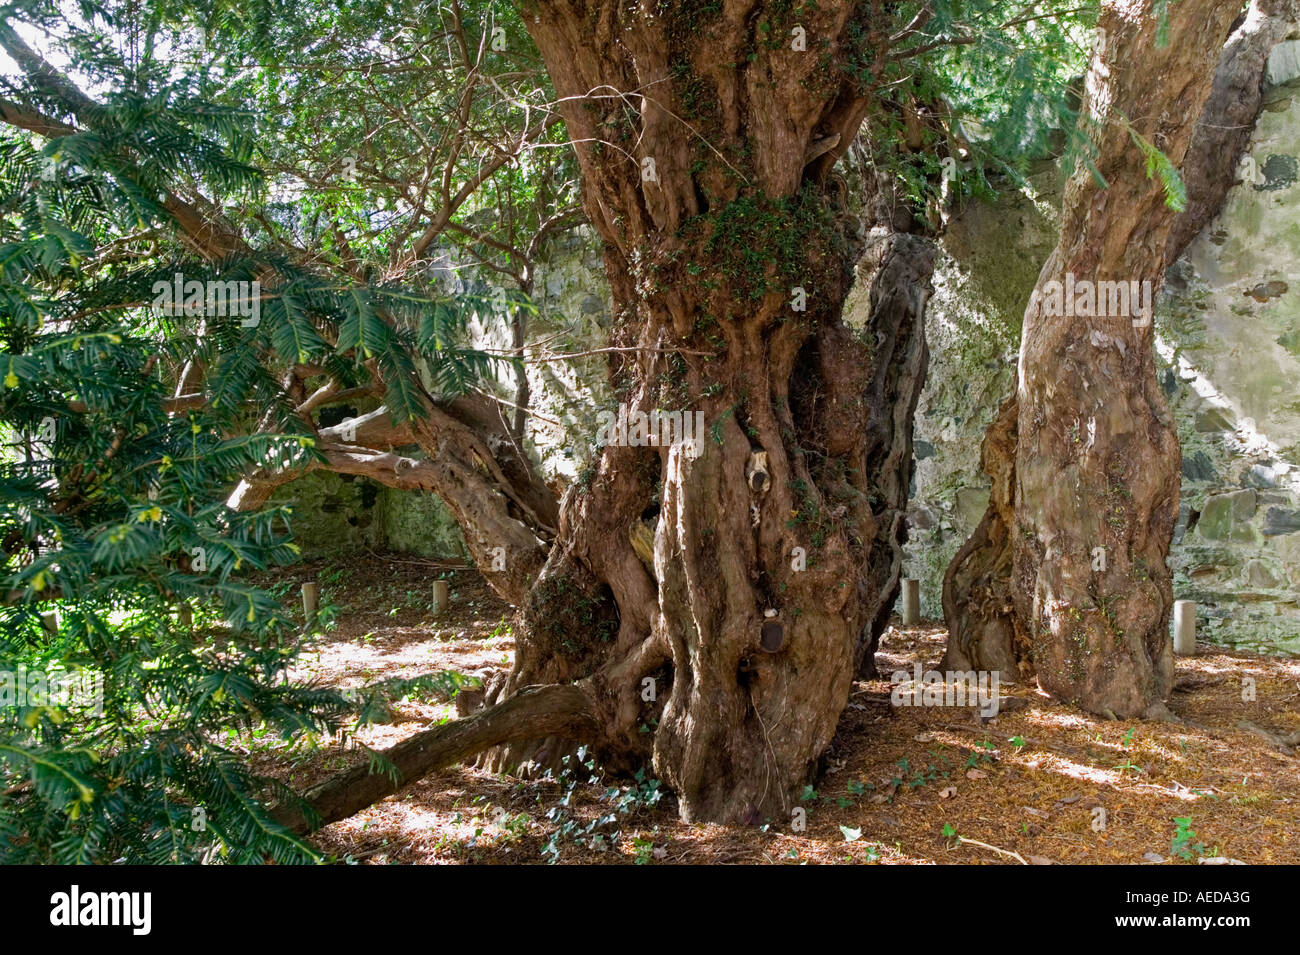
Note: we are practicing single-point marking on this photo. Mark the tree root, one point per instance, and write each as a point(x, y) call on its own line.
point(1286, 744)
point(1159, 712)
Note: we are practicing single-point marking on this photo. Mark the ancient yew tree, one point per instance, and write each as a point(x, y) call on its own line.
point(749, 573)
point(700, 606)
point(725, 592)
point(1066, 576)
point(705, 138)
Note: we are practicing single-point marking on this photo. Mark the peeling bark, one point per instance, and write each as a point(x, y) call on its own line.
point(898, 270)
point(1085, 455)
point(983, 629)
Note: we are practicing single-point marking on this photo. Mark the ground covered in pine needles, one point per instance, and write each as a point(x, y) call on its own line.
point(1039, 783)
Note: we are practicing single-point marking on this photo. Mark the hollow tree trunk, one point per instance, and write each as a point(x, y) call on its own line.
point(1095, 476)
point(899, 268)
point(729, 266)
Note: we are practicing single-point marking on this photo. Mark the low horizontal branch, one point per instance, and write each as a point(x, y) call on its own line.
point(564, 711)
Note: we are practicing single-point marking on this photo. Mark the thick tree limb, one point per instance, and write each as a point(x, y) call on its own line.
point(32, 121)
point(457, 465)
point(563, 711)
point(172, 405)
point(590, 710)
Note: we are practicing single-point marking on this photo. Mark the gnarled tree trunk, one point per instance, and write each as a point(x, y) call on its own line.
point(984, 632)
point(1067, 574)
point(751, 577)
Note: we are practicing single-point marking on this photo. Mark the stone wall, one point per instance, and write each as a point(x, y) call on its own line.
point(573, 313)
point(336, 514)
point(339, 514)
point(344, 514)
point(1230, 330)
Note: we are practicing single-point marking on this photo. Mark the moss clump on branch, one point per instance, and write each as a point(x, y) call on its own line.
point(754, 246)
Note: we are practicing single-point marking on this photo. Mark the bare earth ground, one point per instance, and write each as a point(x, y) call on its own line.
point(903, 784)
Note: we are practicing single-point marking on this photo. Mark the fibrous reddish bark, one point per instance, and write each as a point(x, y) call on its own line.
point(704, 142)
point(1066, 574)
point(983, 629)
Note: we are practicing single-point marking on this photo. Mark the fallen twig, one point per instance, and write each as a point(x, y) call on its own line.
point(985, 845)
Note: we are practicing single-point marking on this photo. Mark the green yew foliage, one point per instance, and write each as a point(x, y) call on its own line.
point(112, 500)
